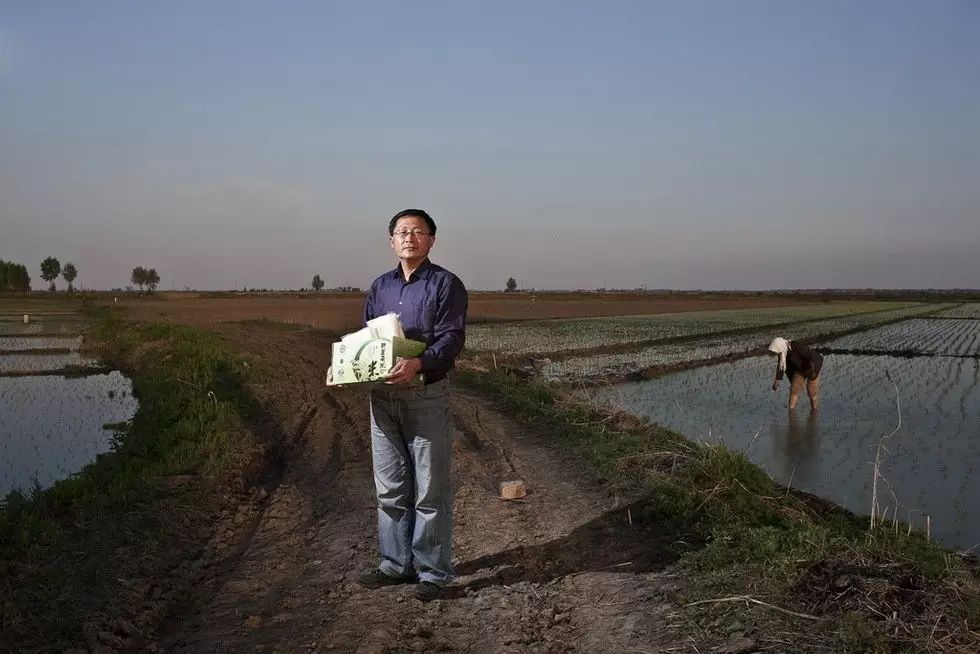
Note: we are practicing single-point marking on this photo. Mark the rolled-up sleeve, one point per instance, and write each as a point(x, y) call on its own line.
point(449, 328)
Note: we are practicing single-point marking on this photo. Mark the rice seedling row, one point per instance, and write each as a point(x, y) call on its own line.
point(11, 364)
point(600, 367)
point(42, 318)
point(956, 337)
point(11, 344)
point(21, 312)
point(969, 311)
point(543, 336)
point(61, 328)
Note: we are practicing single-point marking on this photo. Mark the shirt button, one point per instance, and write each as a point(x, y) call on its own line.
point(399, 303)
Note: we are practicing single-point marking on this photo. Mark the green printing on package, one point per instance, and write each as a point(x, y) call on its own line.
point(371, 360)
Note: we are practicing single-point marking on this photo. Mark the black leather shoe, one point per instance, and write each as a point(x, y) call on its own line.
point(379, 578)
point(426, 591)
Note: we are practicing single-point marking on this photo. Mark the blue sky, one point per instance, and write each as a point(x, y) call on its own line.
point(567, 144)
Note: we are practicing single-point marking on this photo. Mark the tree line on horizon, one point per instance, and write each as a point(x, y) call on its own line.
point(51, 268)
point(14, 277)
point(147, 277)
point(317, 285)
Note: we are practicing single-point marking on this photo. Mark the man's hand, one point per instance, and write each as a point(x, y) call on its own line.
point(329, 379)
point(775, 385)
point(404, 371)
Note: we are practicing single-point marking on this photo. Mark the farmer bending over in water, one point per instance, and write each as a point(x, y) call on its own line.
point(800, 364)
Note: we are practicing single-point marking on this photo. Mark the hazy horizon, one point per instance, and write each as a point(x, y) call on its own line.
point(684, 145)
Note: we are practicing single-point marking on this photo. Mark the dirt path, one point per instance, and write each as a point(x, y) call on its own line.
point(564, 571)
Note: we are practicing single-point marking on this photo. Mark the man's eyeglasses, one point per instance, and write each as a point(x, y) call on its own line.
point(417, 233)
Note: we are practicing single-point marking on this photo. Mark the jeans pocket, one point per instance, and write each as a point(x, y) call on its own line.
point(433, 391)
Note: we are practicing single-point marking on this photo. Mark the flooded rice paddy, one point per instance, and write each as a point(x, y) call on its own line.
point(583, 333)
point(67, 328)
point(52, 427)
point(950, 337)
point(15, 343)
point(617, 365)
point(40, 361)
point(932, 466)
point(52, 413)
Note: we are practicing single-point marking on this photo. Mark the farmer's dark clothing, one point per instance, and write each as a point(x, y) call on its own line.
point(801, 360)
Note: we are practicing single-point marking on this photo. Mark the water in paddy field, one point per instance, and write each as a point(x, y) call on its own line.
point(41, 353)
point(933, 461)
point(43, 362)
point(15, 343)
point(18, 329)
point(51, 426)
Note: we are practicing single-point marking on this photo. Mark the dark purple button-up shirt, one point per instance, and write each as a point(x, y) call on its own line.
point(431, 306)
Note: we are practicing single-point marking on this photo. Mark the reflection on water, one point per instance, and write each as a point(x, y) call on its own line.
point(51, 427)
point(796, 447)
point(932, 461)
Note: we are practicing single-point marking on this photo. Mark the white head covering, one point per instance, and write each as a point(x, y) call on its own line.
point(780, 346)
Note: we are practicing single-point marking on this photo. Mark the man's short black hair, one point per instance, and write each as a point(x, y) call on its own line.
point(418, 213)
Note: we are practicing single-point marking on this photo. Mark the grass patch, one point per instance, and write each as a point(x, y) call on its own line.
point(786, 546)
point(62, 549)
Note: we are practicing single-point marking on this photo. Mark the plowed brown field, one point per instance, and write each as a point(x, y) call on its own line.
point(341, 312)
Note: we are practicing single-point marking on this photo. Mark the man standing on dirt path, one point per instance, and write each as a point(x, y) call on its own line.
point(411, 430)
point(802, 365)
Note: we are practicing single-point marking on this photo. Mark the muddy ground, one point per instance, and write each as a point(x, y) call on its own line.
point(568, 569)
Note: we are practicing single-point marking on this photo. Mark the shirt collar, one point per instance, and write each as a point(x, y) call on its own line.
point(422, 272)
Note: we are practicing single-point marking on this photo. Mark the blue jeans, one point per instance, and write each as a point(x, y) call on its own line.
point(411, 445)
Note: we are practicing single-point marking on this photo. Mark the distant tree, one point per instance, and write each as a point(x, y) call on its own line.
point(69, 273)
point(511, 284)
point(14, 277)
point(138, 277)
point(152, 279)
point(50, 269)
point(317, 283)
